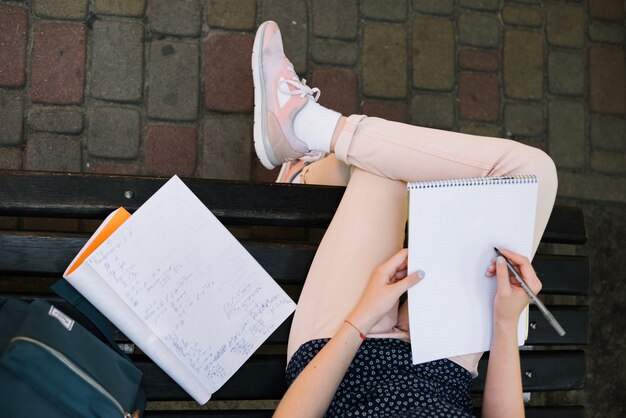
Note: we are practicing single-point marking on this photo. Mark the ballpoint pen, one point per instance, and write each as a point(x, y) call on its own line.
point(551, 319)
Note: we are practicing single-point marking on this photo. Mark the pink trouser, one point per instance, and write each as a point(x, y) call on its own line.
point(375, 158)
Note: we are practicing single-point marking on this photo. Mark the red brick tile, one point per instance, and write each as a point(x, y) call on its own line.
point(390, 111)
point(124, 169)
point(606, 79)
point(339, 89)
point(607, 9)
point(170, 150)
point(478, 60)
point(227, 76)
point(58, 63)
point(13, 40)
point(263, 174)
point(479, 97)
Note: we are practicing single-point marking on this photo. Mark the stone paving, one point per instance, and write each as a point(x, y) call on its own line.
point(159, 87)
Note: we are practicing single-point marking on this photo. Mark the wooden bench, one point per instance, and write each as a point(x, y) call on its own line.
point(31, 260)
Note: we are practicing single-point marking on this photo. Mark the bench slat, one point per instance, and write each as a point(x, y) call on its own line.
point(262, 377)
point(48, 194)
point(50, 253)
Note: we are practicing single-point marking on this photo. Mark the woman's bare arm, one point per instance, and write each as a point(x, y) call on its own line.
point(313, 390)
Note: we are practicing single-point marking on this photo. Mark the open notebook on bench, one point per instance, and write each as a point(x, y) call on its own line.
point(181, 287)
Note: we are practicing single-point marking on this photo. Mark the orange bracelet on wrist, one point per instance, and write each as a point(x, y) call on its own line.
point(363, 337)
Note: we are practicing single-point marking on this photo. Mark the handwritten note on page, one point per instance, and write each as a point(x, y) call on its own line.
point(196, 292)
point(452, 231)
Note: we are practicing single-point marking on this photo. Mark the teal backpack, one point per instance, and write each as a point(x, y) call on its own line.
point(50, 366)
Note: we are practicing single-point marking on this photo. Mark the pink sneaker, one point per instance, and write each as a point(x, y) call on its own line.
point(278, 97)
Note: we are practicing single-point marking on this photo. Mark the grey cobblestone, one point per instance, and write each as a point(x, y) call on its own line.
point(523, 64)
point(490, 5)
point(65, 9)
point(608, 162)
point(331, 51)
point(11, 115)
point(433, 48)
point(566, 72)
point(175, 17)
point(392, 10)
point(481, 130)
point(173, 80)
point(337, 19)
point(120, 7)
point(515, 14)
point(227, 147)
point(117, 61)
point(53, 153)
point(607, 32)
point(523, 119)
point(592, 186)
point(565, 24)
point(435, 7)
point(293, 27)
point(56, 120)
point(479, 30)
point(231, 14)
point(384, 61)
point(432, 110)
point(608, 132)
point(10, 158)
point(566, 133)
point(114, 132)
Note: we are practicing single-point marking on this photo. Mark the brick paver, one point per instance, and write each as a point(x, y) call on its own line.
point(10, 158)
point(231, 14)
point(120, 7)
point(606, 79)
point(339, 89)
point(391, 10)
point(384, 61)
point(61, 121)
point(478, 29)
point(64, 9)
point(11, 115)
point(117, 61)
point(436, 7)
point(524, 119)
point(607, 132)
point(54, 153)
point(608, 162)
point(294, 27)
point(479, 97)
point(337, 19)
point(174, 17)
point(433, 53)
point(170, 150)
point(515, 14)
point(523, 64)
point(13, 41)
point(227, 78)
point(114, 132)
point(490, 5)
point(471, 59)
point(125, 169)
point(607, 9)
point(227, 147)
point(391, 111)
point(332, 51)
point(58, 63)
point(566, 132)
point(565, 24)
point(607, 32)
point(566, 72)
point(173, 80)
point(432, 110)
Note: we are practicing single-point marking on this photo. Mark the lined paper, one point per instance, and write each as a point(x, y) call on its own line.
point(452, 231)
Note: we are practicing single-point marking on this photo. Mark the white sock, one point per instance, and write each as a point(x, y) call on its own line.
point(315, 125)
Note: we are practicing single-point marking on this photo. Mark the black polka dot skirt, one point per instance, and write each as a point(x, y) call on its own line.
point(382, 381)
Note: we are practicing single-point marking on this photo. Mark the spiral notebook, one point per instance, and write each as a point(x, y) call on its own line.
point(453, 227)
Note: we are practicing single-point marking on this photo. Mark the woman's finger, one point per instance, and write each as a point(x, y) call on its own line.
point(502, 273)
point(390, 266)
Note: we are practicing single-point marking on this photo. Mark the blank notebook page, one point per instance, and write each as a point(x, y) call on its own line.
point(453, 227)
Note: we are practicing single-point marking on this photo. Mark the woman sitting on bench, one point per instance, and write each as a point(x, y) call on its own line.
point(360, 269)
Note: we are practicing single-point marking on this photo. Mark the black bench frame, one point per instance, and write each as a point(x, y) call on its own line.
point(40, 257)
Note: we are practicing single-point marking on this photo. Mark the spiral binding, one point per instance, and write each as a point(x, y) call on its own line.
point(476, 181)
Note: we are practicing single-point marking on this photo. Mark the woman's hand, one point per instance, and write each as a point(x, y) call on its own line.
point(510, 298)
point(387, 283)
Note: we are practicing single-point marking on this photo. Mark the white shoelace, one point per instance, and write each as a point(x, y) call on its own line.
point(301, 88)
